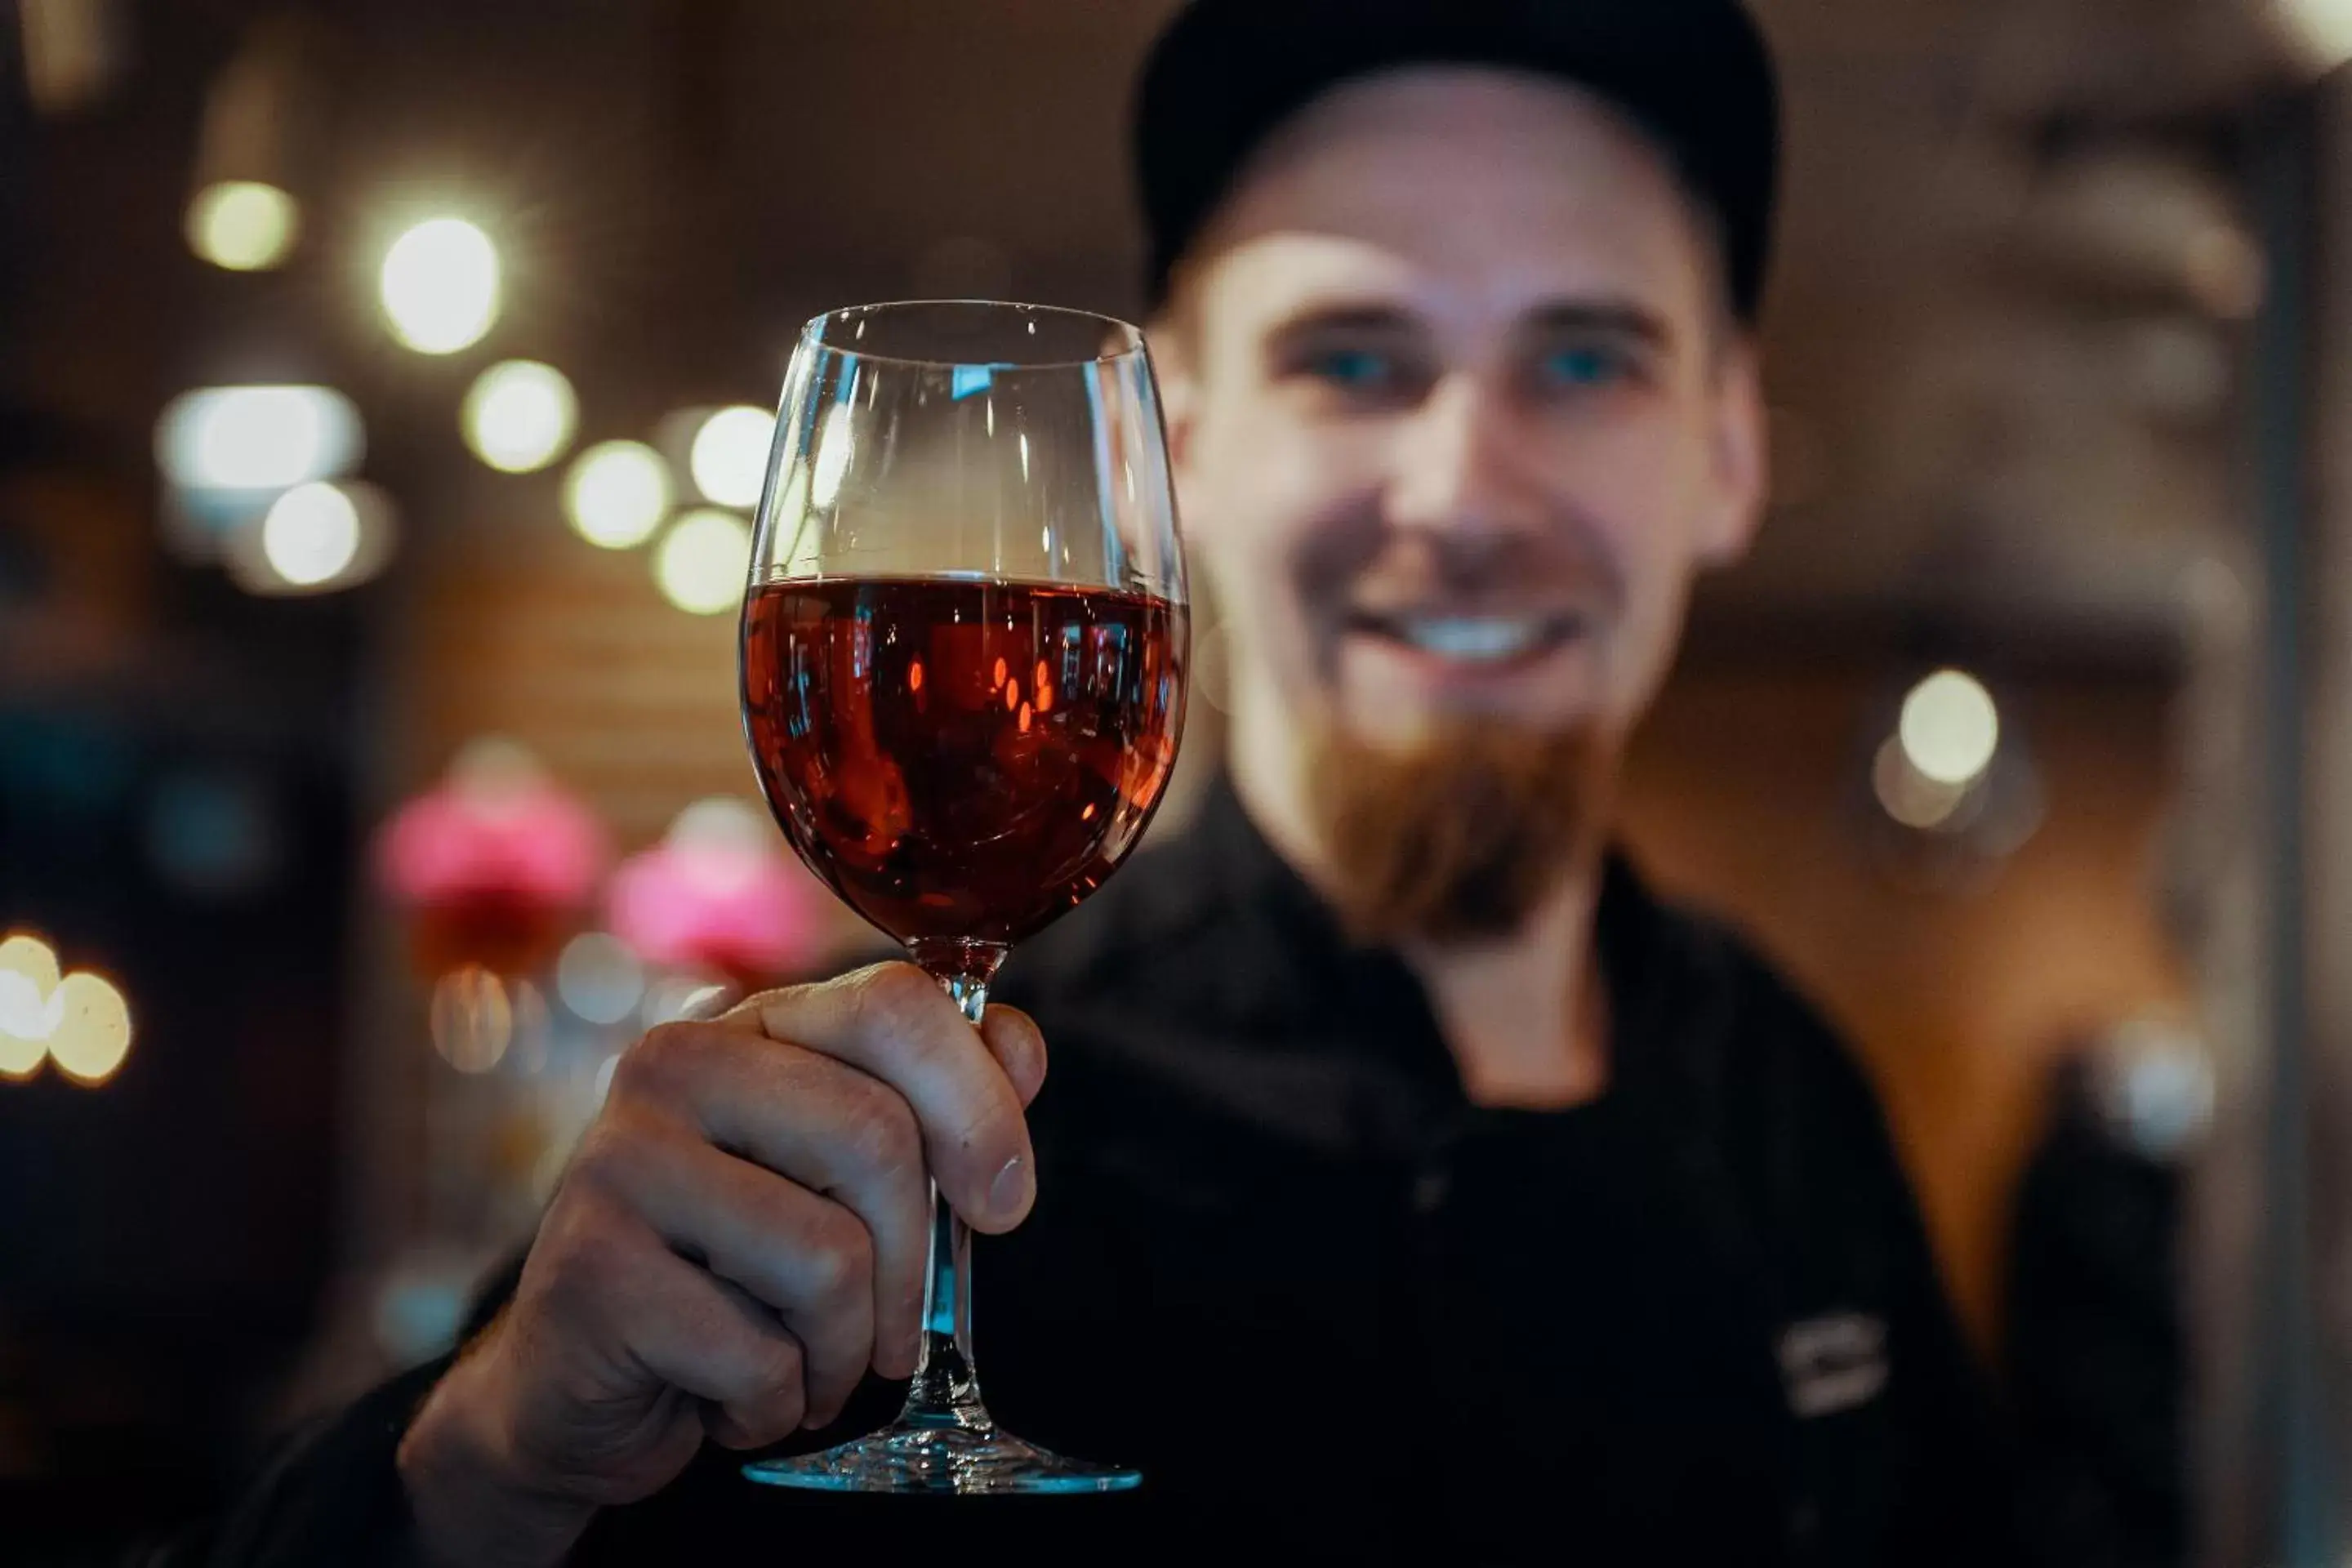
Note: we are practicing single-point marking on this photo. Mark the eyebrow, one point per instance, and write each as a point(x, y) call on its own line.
point(1620, 318)
point(1316, 321)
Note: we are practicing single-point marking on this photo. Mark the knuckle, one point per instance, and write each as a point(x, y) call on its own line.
point(652, 1066)
point(583, 1252)
point(896, 999)
point(612, 1154)
point(840, 1259)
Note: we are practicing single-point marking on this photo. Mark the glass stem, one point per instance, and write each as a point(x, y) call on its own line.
point(946, 1390)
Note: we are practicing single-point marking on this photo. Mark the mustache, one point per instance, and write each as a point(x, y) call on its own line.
point(1476, 565)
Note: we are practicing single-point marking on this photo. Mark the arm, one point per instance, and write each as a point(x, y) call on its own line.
point(739, 1238)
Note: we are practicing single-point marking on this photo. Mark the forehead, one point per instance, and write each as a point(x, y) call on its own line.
point(1466, 193)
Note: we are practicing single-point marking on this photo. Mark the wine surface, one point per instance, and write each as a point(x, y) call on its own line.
point(961, 760)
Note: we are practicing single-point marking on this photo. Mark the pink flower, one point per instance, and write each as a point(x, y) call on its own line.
point(538, 845)
point(719, 895)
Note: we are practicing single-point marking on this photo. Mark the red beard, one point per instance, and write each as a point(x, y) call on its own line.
point(1460, 839)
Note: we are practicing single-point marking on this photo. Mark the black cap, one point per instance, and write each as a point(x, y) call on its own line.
point(1696, 74)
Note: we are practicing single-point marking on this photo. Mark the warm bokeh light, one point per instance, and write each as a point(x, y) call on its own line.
point(256, 437)
point(90, 1029)
point(27, 955)
point(703, 561)
point(2322, 28)
point(1950, 729)
point(519, 414)
point(600, 978)
point(729, 457)
point(618, 493)
point(317, 538)
point(1909, 796)
point(440, 286)
point(79, 1020)
point(243, 225)
point(473, 1019)
point(312, 535)
point(28, 978)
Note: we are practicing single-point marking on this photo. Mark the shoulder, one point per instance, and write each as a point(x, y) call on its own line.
point(1753, 1030)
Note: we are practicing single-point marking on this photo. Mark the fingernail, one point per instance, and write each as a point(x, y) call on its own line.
point(1009, 1194)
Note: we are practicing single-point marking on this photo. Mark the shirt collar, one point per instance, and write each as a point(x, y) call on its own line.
point(1236, 872)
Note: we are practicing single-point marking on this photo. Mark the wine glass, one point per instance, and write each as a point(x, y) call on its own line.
point(965, 651)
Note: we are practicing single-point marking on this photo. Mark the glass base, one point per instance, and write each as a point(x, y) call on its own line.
point(952, 1460)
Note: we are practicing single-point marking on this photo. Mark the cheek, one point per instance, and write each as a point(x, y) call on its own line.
point(1249, 490)
point(1641, 492)
point(1259, 487)
point(1640, 487)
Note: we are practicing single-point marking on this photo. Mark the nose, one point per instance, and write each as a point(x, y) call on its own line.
point(1462, 478)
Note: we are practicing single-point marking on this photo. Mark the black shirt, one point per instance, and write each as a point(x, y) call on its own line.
point(1336, 1311)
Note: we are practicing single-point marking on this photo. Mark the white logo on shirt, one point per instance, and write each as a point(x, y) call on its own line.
point(1833, 1362)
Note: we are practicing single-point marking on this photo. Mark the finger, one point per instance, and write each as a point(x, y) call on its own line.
point(1013, 1038)
point(696, 1334)
point(896, 1024)
point(808, 1258)
point(820, 1123)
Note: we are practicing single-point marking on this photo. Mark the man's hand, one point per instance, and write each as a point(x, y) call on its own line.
point(741, 1235)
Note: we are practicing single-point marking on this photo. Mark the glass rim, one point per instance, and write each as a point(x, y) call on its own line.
point(1137, 345)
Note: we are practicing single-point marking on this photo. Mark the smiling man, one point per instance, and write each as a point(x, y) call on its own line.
point(1411, 1185)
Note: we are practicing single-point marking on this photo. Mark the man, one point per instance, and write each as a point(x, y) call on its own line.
point(1410, 1185)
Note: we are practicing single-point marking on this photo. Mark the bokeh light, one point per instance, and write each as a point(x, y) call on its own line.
point(312, 535)
point(729, 455)
point(1951, 729)
point(256, 437)
point(25, 954)
point(599, 978)
point(704, 562)
point(519, 414)
point(317, 538)
point(2322, 28)
point(473, 1019)
point(1909, 795)
point(28, 978)
point(681, 997)
point(440, 286)
point(81, 1020)
point(90, 1028)
point(243, 225)
point(618, 493)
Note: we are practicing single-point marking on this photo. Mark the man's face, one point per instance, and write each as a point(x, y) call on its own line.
point(1457, 415)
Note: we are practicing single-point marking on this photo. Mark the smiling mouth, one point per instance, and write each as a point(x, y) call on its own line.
point(1487, 639)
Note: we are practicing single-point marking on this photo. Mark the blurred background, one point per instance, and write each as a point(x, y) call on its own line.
point(384, 389)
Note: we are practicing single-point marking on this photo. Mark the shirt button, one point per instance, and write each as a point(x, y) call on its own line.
point(1429, 1192)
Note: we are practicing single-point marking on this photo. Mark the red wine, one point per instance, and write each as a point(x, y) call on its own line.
point(961, 760)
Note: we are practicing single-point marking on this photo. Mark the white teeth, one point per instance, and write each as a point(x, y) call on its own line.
point(1473, 638)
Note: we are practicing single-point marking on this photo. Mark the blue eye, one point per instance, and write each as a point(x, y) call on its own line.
point(1585, 366)
point(1358, 370)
